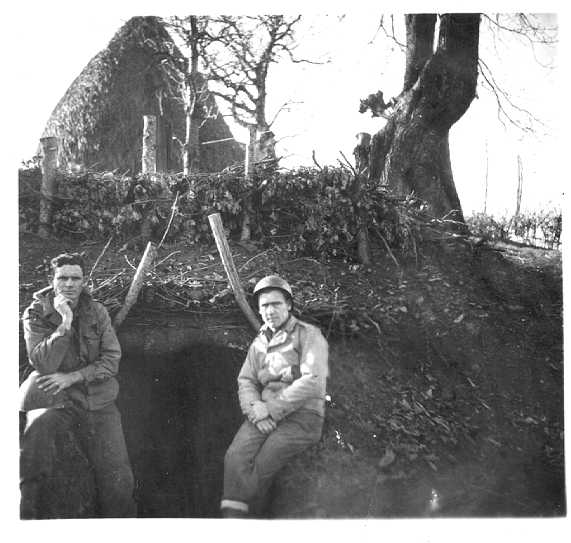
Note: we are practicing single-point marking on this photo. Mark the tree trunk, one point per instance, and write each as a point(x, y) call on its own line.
point(149, 164)
point(361, 154)
point(49, 188)
point(411, 153)
point(419, 45)
point(191, 149)
point(363, 250)
point(194, 87)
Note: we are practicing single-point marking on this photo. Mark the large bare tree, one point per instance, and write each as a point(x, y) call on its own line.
point(239, 57)
point(198, 103)
point(442, 64)
point(411, 153)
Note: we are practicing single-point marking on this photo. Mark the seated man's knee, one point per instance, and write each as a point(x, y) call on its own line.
point(43, 424)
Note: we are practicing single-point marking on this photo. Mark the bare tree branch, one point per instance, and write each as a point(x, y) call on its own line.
point(392, 34)
point(283, 107)
point(527, 29)
point(315, 160)
point(240, 60)
point(503, 99)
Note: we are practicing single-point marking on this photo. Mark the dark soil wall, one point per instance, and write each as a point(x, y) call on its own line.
point(180, 413)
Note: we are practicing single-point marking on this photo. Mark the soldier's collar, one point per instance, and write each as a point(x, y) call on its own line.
point(288, 326)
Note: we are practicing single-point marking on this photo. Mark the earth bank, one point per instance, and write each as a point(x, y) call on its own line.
point(446, 388)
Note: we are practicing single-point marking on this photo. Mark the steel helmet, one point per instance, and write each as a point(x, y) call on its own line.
point(273, 282)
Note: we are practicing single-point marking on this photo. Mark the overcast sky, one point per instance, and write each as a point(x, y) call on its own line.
point(58, 43)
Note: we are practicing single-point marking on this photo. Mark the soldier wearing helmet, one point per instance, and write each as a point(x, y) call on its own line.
point(281, 388)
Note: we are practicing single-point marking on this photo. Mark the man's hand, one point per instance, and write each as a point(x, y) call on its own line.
point(61, 305)
point(259, 412)
point(56, 382)
point(266, 426)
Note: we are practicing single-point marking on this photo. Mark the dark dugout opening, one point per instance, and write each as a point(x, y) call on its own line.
point(179, 407)
point(180, 412)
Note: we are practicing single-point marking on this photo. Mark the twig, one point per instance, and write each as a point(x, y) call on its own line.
point(202, 280)
point(128, 262)
point(387, 247)
point(171, 300)
point(392, 35)
point(173, 210)
point(107, 281)
point(348, 163)
point(253, 258)
point(215, 141)
point(100, 257)
point(374, 323)
point(315, 160)
point(165, 258)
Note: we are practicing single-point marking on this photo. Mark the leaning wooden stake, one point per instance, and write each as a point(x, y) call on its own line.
point(228, 261)
point(136, 284)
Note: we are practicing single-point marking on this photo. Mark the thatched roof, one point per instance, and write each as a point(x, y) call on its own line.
point(99, 120)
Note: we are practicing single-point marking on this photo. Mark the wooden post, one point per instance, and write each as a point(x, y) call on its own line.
point(48, 189)
point(149, 144)
point(228, 261)
point(249, 177)
point(519, 185)
point(136, 284)
point(361, 154)
point(250, 153)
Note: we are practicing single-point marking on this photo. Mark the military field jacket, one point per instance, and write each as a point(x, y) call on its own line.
point(91, 347)
point(288, 372)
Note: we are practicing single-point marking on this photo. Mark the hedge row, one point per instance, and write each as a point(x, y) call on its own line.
point(310, 211)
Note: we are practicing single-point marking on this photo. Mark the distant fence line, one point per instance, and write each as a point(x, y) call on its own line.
point(537, 228)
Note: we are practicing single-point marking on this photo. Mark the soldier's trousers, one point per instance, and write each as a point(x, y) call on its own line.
point(253, 458)
point(100, 435)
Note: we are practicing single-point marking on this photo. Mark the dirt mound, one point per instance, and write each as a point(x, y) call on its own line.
point(446, 382)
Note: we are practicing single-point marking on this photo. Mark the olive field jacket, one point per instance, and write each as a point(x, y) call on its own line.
point(90, 347)
point(288, 371)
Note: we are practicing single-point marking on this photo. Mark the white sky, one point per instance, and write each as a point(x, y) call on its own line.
point(58, 43)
